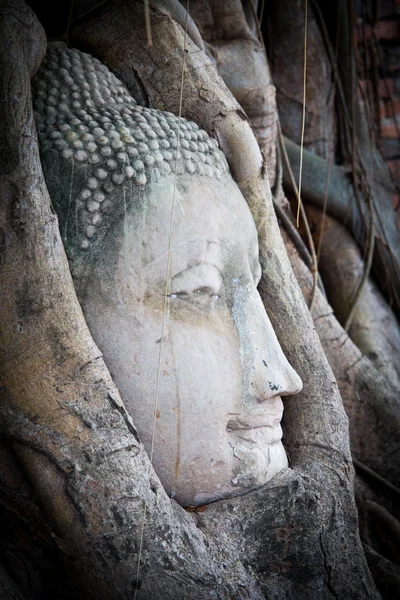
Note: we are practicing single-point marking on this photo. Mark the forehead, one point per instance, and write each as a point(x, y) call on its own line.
point(98, 146)
point(211, 221)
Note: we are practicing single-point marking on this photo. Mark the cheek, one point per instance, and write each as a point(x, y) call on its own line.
point(200, 375)
point(205, 364)
point(200, 371)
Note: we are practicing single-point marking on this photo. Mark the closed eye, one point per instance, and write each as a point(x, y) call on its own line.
point(207, 291)
point(201, 292)
point(174, 295)
point(198, 285)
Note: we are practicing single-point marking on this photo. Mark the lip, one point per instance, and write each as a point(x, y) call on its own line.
point(262, 436)
point(264, 415)
point(244, 426)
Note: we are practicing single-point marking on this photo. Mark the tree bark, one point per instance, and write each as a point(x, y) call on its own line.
point(285, 47)
point(62, 415)
point(63, 418)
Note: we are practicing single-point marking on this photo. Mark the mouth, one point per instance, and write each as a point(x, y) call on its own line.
point(260, 417)
point(245, 425)
point(260, 435)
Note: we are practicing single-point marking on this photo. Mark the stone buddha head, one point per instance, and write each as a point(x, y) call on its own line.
point(164, 255)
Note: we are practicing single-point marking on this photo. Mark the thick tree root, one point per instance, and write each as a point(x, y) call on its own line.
point(370, 400)
point(342, 205)
point(374, 328)
point(68, 425)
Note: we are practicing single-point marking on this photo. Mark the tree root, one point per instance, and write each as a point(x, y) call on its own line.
point(342, 205)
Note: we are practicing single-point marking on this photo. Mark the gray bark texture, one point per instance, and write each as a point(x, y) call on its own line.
point(70, 451)
point(359, 196)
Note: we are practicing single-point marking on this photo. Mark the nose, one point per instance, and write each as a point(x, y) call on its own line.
point(266, 371)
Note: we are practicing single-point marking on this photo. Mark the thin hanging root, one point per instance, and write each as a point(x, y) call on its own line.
point(71, 183)
point(363, 281)
point(377, 52)
point(366, 470)
point(368, 264)
point(334, 64)
point(314, 266)
point(287, 224)
point(314, 263)
point(297, 240)
point(165, 307)
point(303, 121)
point(387, 519)
point(65, 35)
point(148, 22)
point(324, 207)
point(358, 175)
point(322, 227)
point(262, 12)
point(349, 124)
point(387, 257)
point(257, 22)
point(330, 160)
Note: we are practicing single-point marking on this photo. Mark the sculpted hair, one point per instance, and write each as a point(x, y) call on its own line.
point(99, 148)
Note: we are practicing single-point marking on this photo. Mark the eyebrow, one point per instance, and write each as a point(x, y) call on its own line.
point(183, 262)
point(197, 264)
point(176, 254)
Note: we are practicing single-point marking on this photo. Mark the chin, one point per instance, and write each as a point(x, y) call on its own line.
point(258, 464)
point(253, 468)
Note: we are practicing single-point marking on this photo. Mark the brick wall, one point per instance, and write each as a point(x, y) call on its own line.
point(380, 61)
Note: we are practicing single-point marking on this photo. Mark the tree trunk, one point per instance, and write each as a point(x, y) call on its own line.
point(97, 501)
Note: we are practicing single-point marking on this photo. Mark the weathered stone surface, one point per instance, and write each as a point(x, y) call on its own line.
point(110, 145)
point(208, 404)
point(178, 560)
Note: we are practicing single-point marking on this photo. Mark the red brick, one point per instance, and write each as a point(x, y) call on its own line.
point(387, 8)
point(390, 107)
point(387, 30)
point(386, 88)
point(390, 128)
point(393, 67)
point(391, 57)
point(394, 166)
point(390, 148)
point(396, 202)
point(384, 109)
point(362, 84)
point(363, 32)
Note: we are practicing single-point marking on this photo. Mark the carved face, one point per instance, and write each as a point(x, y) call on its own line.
point(213, 361)
point(220, 368)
